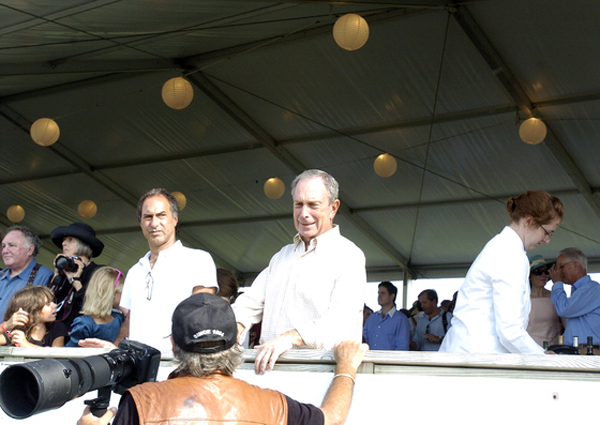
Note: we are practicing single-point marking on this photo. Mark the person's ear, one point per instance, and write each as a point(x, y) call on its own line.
point(528, 221)
point(334, 208)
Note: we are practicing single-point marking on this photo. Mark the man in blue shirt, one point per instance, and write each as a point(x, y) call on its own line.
point(582, 308)
point(432, 327)
point(19, 248)
point(388, 328)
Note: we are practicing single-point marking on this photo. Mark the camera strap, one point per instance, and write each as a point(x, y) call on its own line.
point(33, 273)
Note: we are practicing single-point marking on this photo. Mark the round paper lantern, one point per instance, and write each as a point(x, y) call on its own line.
point(44, 132)
point(177, 93)
point(87, 209)
point(385, 165)
point(532, 131)
point(274, 188)
point(181, 199)
point(351, 31)
point(15, 213)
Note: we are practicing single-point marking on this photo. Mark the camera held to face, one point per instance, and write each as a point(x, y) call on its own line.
point(67, 264)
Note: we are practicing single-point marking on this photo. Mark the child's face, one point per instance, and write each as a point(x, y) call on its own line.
point(48, 313)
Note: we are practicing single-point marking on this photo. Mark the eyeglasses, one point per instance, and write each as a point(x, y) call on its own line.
point(149, 285)
point(560, 266)
point(545, 231)
point(119, 274)
point(539, 272)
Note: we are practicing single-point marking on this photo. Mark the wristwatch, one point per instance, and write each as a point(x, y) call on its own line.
point(72, 279)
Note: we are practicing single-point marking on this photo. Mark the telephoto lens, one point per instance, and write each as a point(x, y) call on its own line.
point(34, 387)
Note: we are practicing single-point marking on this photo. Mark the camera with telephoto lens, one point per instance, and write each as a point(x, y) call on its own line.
point(67, 264)
point(30, 388)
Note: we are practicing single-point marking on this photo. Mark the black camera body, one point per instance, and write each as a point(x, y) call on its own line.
point(68, 264)
point(30, 388)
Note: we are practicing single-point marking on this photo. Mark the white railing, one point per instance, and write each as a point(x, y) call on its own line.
point(402, 386)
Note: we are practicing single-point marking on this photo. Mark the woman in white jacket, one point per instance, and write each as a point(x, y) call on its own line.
point(493, 303)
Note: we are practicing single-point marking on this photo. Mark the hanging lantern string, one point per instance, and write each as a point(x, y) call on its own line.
point(160, 85)
point(266, 43)
point(317, 21)
point(356, 139)
point(435, 101)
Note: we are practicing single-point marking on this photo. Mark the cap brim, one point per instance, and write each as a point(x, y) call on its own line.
point(547, 263)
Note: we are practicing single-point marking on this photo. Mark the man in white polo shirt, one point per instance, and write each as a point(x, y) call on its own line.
point(166, 275)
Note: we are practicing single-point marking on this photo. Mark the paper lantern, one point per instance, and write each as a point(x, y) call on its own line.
point(274, 188)
point(181, 199)
point(177, 93)
point(532, 131)
point(87, 209)
point(385, 165)
point(44, 132)
point(15, 213)
point(351, 31)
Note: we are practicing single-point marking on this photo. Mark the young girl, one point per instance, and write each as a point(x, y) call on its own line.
point(99, 319)
point(40, 329)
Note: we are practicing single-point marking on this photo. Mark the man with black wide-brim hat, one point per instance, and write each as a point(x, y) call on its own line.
point(73, 267)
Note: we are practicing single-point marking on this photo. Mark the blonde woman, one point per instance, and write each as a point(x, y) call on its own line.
point(99, 319)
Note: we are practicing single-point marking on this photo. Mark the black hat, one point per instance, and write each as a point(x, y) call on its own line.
point(204, 318)
point(81, 231)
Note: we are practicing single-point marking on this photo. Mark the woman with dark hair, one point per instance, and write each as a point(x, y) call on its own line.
point(79, 245)
point(493, 303)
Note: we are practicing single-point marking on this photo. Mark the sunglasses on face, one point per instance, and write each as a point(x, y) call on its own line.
point(539, 272)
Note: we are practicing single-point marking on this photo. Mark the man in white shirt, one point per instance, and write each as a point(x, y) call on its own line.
point(166, 275)
point(312, 292)
point(161, 279)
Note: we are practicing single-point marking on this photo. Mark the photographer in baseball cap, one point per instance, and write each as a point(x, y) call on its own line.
point(203, 389)
point(73, 268)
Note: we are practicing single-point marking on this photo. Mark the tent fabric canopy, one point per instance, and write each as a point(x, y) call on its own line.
point(443, 87)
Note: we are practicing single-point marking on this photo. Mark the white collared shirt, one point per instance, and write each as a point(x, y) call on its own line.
point(319, 292)
point(493, 304)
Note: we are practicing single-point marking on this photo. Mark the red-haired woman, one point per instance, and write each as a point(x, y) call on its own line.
point(493, 303)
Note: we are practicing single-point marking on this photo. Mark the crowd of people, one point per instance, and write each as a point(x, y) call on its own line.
point(310, 295)
point(503, 305)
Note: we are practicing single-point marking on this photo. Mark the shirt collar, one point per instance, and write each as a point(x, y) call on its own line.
point(390, 313)
point(510, 232)
point(320, 240)
point(582, 281)
point(145, 260)
point(24, 275)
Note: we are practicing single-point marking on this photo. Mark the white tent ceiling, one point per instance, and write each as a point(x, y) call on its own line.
point(440, 86)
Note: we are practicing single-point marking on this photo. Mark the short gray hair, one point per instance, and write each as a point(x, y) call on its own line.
point(331, 184)
point(198, 365)
point(575, 254)
point(83, 249)
point(30, 237)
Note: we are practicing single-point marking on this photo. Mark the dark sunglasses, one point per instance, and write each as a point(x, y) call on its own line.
point(539, 272)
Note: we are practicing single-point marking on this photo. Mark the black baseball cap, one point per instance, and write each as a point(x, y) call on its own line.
point(204, 323)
